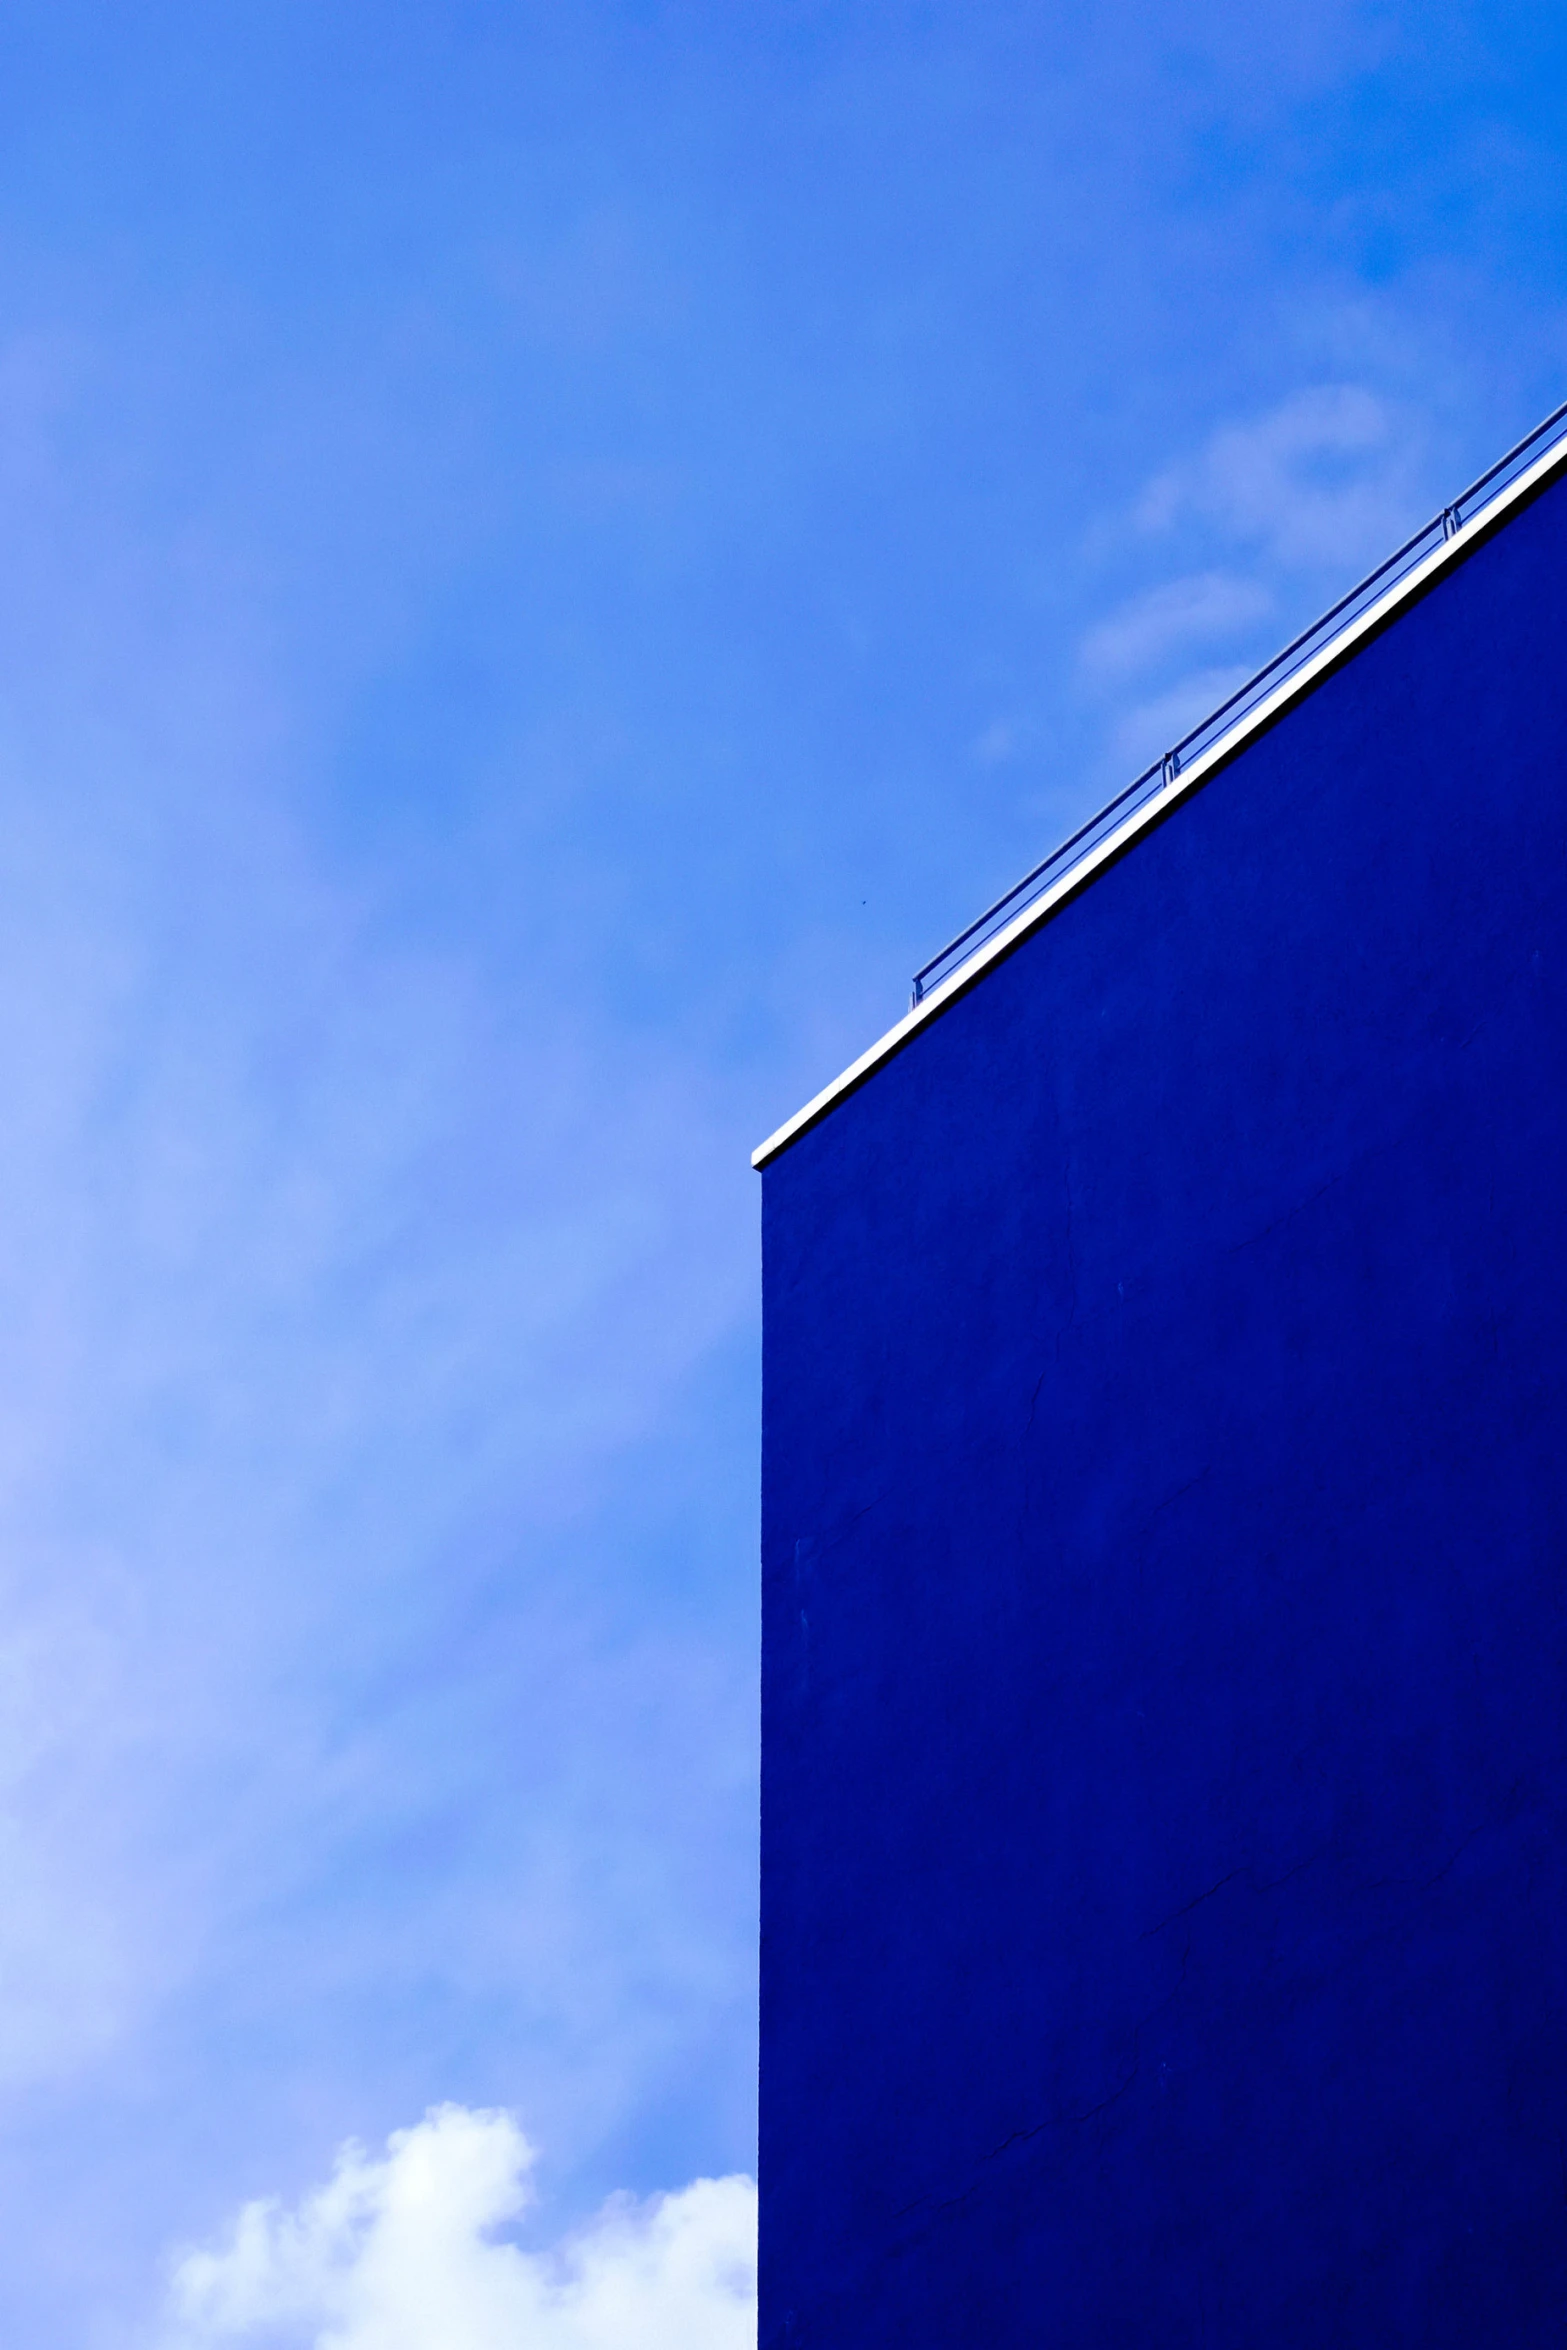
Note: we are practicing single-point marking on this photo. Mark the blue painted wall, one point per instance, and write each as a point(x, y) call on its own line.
point(1165, 1567)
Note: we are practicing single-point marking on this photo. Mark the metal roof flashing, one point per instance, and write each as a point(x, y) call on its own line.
point(1176, 781)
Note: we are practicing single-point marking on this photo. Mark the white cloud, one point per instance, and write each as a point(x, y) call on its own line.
point(1167, 619)
point(1329, 477)
point(336, 1268)
point(400, 2252)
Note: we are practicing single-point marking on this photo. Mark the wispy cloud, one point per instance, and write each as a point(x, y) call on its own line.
point(1291, 503)
point(1171, 619)
point(400, 2252)
point(1328, 477)
point(337, 1275)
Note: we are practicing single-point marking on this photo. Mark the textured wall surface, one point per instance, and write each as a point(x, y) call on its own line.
point(1165, 1571)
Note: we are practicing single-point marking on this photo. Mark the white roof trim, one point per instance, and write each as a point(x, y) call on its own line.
point(1151, 810)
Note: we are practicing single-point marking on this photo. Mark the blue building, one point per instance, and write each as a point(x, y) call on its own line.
point(1164, 1899)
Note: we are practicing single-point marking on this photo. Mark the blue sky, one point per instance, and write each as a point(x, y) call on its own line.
point(552, 555)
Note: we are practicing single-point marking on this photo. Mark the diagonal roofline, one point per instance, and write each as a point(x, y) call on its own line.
point(1290, 675)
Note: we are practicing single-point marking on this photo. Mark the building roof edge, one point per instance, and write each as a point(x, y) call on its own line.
point(1150, 812)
